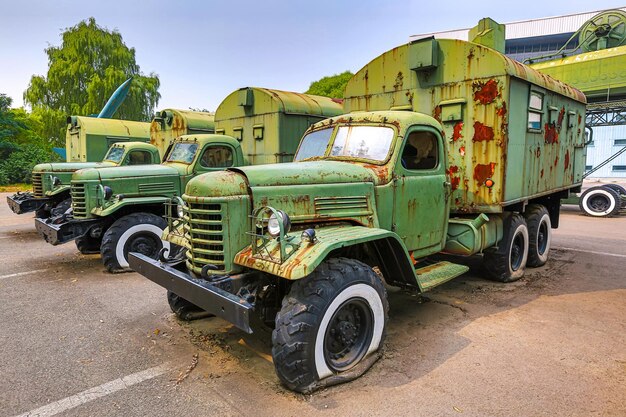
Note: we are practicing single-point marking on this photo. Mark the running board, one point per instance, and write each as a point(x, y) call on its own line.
point(433, 275)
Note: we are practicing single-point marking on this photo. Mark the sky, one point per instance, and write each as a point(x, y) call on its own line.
point(204, 50)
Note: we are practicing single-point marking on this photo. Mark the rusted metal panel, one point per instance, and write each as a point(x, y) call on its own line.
point(169, 124)
point(269, 123)
point(472, 91)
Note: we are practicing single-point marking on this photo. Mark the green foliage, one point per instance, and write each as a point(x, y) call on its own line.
point(83, 73)
point(331, 86)
point(21, 148)
point(19, 165)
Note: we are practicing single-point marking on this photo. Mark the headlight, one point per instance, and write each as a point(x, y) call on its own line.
point(108, 192)
point(179, 210)
point(55, 181)
point(273, 225)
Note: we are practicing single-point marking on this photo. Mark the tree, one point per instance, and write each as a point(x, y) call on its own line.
point(331, 86)
point(21, 147)
point(83, 73)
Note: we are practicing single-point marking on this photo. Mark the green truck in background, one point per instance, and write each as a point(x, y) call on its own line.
point(51, 181)
point(120, 210)
point(448, 148)
point(88, 137)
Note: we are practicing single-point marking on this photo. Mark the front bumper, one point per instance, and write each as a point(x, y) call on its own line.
point(57, 233)
point(214, 300)
point(21, 203)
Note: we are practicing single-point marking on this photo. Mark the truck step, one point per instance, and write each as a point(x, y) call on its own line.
point(436, 274)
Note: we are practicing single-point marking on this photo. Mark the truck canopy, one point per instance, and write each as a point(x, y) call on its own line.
point(169, 124)
point(472, 90)
point(89, 138)
point(269, 123)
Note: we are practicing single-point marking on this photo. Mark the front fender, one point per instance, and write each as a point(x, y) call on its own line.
point(308, 256)
point(128, 201)
point(58, 190)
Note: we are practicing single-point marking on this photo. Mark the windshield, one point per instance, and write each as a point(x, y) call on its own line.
point(183, 152)
point(115, 154)
point(363, 142)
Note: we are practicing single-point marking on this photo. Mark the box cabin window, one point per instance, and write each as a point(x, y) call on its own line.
point(535, 111)
point(257, 132)
point(420, 151)
point(571, 119)
point(139, 158)
point(217, 157)
point(238, 133)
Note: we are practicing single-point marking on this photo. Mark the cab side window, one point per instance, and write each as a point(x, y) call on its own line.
point(217, 157)
point(420, 151)
point(139, 158)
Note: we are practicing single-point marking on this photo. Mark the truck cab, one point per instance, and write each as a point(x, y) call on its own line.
point(107, 202)
point(51, 181)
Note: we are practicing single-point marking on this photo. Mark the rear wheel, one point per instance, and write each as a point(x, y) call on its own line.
point(330, 327)
point(539, 234)
point(137, 232)
point(621, 191)
point(600, 201)
point(508, 262)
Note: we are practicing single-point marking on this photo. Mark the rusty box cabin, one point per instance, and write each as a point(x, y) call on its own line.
point(513, 133)
point(89, 138)
point(269, 123)
point(169, 124)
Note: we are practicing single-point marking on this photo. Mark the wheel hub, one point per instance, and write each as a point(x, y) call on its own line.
point(348, 334)
point(599, 203)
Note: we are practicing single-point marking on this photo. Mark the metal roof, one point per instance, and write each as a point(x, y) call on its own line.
point(527, 28)
point(113, 127)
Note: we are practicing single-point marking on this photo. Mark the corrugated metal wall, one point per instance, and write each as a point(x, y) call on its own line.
point(603, 147)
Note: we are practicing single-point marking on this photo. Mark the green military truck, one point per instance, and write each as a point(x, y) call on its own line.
point(86, 137)
point(51, 181)
point(120, 210)
point(450, 148)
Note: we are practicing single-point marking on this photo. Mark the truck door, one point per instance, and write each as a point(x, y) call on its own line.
point(421, 192)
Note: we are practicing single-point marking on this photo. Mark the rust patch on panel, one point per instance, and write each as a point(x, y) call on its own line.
point(566, 161)
point(538, 152)
point(486, 92)
point(541, 173)
point(482, 132)
point(561, 117)
point(454, 183)
point(457, 132)
point(462, 150)
point(551, 134)
point(437, 113)
point(484, 171)
point(556, 160)
point(502, 110)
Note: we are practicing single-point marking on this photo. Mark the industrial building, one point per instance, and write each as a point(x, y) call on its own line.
point(530, 40)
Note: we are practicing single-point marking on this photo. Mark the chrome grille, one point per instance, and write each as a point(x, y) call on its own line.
point(37, 180)
point(205, 231)
point(79, 200)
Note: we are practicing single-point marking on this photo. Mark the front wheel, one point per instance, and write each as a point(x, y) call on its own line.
point(331, 326)
point(88, 245)
point(137, 232)
point(185, 310)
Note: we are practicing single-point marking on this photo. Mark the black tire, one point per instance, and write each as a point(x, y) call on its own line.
point(137, 232)
point(616, 187)
point(508, 262)
point(539, 234)
point(185, 310)
point(600, 201)
point(342, 299)
point(88, 245)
